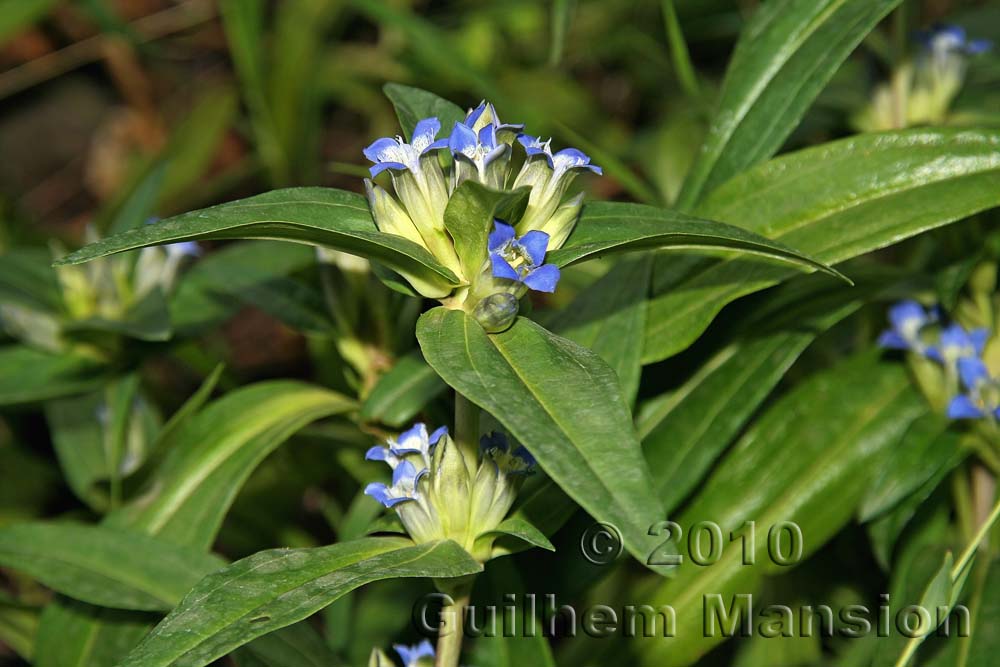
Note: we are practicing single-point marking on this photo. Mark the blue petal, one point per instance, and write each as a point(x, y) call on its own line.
point(972, 371)
point(892, 340)
point(474, 114)
point(392, 502)
point(424, 650)
point(426, 130)
point(501, 269)
point(978, 338)
point(543, 279)
point(962, 407)
point(438, 434)
point(440, 143)
point(956, 32)
point(905, 312)
point(533, 145)
point(934, 353)
point(377, 453)
point(955, 336)
point(535, 242)
point(497, 152)
point(379, 492)
point(404, 443)
point(502, 232)
point(462, 139)
point(977, 46)
point(493, 440)
point(404, 472)
point(488, 136)
point(382, 166)
point(525, 456)
point(378, 146)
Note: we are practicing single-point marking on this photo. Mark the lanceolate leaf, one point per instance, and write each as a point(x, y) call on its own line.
point(187, 497)
point(317, 216)
point(833, 202)
point(469, 219)
point(558, 399)
point(32, 375)
point(784, 58)
point(808, 461)
point(615, 227)
point(403, 391)
point(413, 105)
point(105, 566)
point(273, 589)
point(212, 454)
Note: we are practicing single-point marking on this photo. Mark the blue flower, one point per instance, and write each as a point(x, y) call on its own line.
point(495, 446)
point(480, 149)
point(404, 485)
point(982, 396)
point(411, 655)
point(906, 318)
point(947, 40)
point(412, 441)
point(956, 343)
point(484, 115)
point(183, 249)
point(521, 260)
point(562, 161)
point(394, 153)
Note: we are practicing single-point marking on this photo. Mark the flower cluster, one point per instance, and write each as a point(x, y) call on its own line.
point(438, 492)
point(416, 655)
point(427, 170)
point(922, 91)
point(958, 351)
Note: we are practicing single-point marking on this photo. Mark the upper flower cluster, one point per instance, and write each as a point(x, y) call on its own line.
point(427, 170)
point(923, 90)
point(438, 494)
point(957, 350)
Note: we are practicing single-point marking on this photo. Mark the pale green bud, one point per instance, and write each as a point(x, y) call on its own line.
point(496, 312)
point(390, 217)
point(561, 223)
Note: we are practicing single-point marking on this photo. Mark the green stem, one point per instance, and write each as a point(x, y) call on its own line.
point(970, 550)
point(679, 52)
point(449, 643)
point(466, 434)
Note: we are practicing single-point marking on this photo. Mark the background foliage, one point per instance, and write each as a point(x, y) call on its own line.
point(226, 411)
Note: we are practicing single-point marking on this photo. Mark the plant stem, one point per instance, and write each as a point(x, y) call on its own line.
point(449, 643)
point(466, 434)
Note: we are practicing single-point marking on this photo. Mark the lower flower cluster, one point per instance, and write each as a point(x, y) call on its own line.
point(439, 493)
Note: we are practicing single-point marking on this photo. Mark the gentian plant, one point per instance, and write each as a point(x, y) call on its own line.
point(713, 371)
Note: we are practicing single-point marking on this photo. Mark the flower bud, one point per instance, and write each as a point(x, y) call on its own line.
point(497, 312)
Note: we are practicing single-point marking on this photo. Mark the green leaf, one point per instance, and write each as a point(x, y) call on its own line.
point(469, 218)
point(402, 392)
point(27, 279)
point(937, 594)
point(32, 375)
point(74, 634)
point(18, 627)
point(985, 640)
point(616, 227)
point(685, 431)
point(832, 202)
point(807, 460)
point(785, 56)
point(562, 402)
point(273, 589)
point(105, 566)
point(16, 15)
point(298, 645)
point(316, 216)
point(609, 317)
point(522, 531)
point(187, 496)
point(210, 290)
point(413, 105)
point(926, 448)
